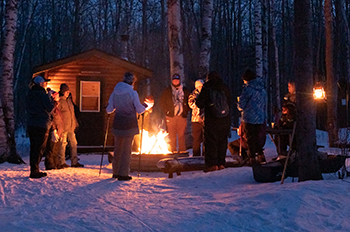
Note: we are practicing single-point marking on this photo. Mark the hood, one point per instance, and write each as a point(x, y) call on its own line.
point(122, 88)
point(256, 84)
point(214, 84)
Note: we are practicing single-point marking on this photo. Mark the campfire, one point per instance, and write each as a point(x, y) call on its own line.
point(154, 144)
point(154, 148)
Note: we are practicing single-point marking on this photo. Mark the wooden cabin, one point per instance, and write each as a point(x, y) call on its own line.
point(91, 77)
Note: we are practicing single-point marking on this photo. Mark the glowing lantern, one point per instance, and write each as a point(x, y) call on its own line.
point(318, 92)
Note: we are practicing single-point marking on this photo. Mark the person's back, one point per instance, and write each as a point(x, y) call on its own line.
point(216, 129)
point(252, 102)
point(38, 107)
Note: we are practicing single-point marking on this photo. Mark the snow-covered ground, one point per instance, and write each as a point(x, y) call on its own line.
point(78, 199)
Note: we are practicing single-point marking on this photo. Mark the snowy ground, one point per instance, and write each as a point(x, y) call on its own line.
point(78, 199)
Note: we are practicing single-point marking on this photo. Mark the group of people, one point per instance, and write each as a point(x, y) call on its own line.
point(212, 131)
point(51, 124)
point(284, 121)
point(176, 102)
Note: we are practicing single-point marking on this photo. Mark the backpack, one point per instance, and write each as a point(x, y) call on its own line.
point(219, 106)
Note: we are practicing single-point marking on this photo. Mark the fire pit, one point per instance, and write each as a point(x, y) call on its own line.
point(148, 162)
point(154, 148)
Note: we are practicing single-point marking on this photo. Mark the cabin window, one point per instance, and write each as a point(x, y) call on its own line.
point(90, 96)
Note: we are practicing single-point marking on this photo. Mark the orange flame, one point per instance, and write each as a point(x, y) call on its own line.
point(155, 144)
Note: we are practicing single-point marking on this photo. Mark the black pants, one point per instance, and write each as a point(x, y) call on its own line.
point(252, 132)
point(198, 137)
point(215, 137)
point(38, 138)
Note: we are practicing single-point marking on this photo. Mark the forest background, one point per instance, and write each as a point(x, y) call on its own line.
point(52, 29)
point(282, 30)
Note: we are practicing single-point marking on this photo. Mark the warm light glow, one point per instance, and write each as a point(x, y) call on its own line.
point(319, 93)
point(155, 144)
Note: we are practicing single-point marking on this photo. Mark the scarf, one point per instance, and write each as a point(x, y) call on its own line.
point(178, 98)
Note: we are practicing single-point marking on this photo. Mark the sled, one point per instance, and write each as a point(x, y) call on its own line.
point(272, 171)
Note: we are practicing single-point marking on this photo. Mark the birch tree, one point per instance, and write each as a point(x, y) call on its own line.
point(7, 117)
point(175, 39)
point(332, 87)
point(306, 111)
point(258, 39)
point(204, 57)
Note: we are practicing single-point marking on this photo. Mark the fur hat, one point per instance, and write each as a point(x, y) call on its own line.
point(198, 83)
point(63, 88)
point(248, 75)
point(40, 79)
point(129, 78)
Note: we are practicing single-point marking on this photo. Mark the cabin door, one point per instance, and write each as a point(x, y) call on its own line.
point(91, 112)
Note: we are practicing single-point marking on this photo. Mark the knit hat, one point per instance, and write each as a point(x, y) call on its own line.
point(63, 88)
point(198, 83)
point(248, 75)
point(40, 79)
point(129, 78)
point(175, 77)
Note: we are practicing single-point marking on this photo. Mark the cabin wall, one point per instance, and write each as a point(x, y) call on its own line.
point(91, 69)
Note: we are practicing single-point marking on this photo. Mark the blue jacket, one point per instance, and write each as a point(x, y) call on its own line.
point(39, 107)
point(252, 102)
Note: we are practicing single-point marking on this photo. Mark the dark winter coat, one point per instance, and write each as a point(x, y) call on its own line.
point(252, 102)
point(66, 107)
point(204, 100)
point(216, 129)
point(125, 101)
point(39, 107)
point(167, 105)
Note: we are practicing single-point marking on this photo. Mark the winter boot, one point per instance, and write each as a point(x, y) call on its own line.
point(124, 178)
point(37, 175)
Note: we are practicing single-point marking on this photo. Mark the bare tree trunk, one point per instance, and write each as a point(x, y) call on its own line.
point(277, 71)
point(144, 34)
point(306, 113)
point(343, 30)
point(204, 57)
point(175, 39)
point(258, 40)
point(332, 81)
point(7, 117)
point(76, 27)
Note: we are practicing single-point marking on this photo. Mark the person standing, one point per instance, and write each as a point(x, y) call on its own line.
point(38, 107)
point(252, 104)
point(125, 102)
point(290, 97)
point(197, 119)
point(216, 128)
point(52, 160)
point(174, 103)
point(66, 107)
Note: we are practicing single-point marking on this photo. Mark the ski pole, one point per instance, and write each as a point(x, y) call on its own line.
point(142, 120)
point(104, 143)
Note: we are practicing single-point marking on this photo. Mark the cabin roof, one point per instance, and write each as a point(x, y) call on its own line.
point(94, 53)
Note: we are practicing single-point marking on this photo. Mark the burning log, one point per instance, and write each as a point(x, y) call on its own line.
point(178, 165)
